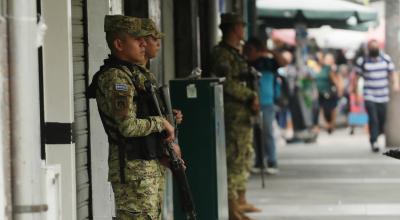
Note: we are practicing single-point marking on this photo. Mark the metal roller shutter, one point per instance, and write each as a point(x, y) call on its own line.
point(81, 129)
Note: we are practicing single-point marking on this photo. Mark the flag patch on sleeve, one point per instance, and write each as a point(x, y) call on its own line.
point(121, 87)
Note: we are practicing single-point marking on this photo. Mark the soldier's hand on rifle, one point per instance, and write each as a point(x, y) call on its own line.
point(178, 116)
point(177, 150)
point(165, 160)
point(170, 130)
point(255, 105)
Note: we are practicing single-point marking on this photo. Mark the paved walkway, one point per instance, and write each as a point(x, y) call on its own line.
point(338, 178)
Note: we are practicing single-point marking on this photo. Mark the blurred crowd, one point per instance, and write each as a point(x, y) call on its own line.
point(320, 91)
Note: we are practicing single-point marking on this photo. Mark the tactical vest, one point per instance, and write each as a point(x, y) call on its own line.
point(130, 148)
point(245, 76)
point(148, 147)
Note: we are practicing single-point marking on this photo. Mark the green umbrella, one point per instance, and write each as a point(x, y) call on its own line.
point(314, 13)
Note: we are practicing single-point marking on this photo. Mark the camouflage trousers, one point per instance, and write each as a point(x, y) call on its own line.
point(239, 152)
point(141, 197)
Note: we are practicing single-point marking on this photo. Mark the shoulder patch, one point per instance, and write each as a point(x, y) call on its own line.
point(121, 87)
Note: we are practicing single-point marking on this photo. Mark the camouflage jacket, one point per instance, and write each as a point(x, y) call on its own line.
point(237, 94)
point(115, 96)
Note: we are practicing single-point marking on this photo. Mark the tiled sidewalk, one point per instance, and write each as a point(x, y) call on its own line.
point(338, 178)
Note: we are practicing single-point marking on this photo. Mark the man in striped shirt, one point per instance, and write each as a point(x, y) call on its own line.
point(377, 70)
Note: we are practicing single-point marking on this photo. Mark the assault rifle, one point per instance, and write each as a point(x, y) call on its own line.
point(176, 164)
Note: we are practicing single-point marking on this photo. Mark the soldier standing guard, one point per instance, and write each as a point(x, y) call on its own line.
point(128, 117)
point(240, 103)
point(153, 45)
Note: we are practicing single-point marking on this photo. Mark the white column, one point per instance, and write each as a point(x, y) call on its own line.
point(58, 95)
point(5, 169)
point(25, 107)
point(168, 53)
point(393, 49)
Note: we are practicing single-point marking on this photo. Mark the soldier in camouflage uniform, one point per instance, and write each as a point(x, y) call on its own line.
point(133, 130)
point(240, 103)
point(153, 47)
point(153, 42)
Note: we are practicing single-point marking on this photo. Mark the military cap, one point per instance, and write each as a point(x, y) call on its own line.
point(231, 18)
point(128, 24)
point(149, 26)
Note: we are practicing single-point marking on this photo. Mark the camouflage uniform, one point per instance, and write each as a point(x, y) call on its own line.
point(238, 128)
point(138, 197)
point(149, 26)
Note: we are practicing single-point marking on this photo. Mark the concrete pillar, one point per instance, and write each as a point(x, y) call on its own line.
point(5, 167)
point(168, 45)
point(187, 50)
point(392, 11)
point(209, 34)
point(25, 111)
point(156, 64)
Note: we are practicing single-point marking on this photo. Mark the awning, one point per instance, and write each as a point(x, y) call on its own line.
point(314, 13)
